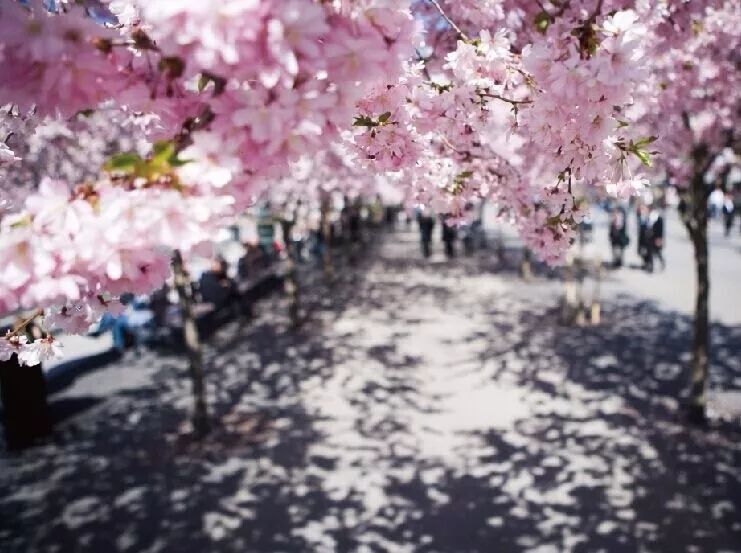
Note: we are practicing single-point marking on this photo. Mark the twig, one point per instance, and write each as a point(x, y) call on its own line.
point(25, 322)
point(503, 99)
point(450, 21)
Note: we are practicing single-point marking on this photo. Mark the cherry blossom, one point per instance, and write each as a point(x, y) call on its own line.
point(196, 108)
point(51, 61)
point(33, 353)
point(11, 345)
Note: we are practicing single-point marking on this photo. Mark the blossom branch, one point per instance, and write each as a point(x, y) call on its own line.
point(503, 99)
point(24, 322)
point(450, 21)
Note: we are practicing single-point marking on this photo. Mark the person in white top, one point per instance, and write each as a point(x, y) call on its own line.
point(715, 202)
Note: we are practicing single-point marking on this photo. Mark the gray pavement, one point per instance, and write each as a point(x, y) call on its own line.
point(428, 406)
point(674, 287)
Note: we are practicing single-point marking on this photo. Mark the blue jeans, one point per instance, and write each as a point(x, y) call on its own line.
point(119, 326)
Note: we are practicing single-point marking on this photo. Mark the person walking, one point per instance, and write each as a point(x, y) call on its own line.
point(426, 220)
point(619, 239)
point(645, 248)
point(449, 236)
point(350, 221)
point(729, 213)
point(656, 224)
point(715, 202)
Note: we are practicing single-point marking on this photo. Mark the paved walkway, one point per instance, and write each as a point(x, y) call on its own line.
point(425, 406)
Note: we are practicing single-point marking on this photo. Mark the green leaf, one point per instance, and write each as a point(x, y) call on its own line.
point(441, 87)
point(364, 121)
point(384, 117)
point(541, 21)
point(126, 162)
point(163, 151)
point(644, 156)
point(465, 174)
point(177, 162)
point(645, 141)
point(23, 221)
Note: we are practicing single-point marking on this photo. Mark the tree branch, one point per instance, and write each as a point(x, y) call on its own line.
point(503, 99)
point(450, 21)
point(23, 323)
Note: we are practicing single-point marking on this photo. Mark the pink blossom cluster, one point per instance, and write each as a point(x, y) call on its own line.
point(29, 352)
point(272, 80)
point(529, 105)
point(54, 62)
point(277, 80)
point(73, 150)
point(568, 94)
point(332, 171)
point(580, 112)
point(15, 128)
point(280, 77)
point(294, 76)
point(69, 249)
point(694, 63)
point(7, 129)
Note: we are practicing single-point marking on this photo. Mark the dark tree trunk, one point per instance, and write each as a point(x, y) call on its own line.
point(698, 230)
point(193, 347)
point(694, 213)
point(25, 411)
point(291, 281)
point(570, 296)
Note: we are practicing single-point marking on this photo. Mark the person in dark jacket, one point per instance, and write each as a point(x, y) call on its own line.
point(645, 247)
point(729, 213)
point(618, 235)
point(353, 222)
point(426, 220)
point(656, 221)
point(215, 285)
point(450, 233)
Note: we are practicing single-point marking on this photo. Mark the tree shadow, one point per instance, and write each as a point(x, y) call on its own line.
point(416, 410)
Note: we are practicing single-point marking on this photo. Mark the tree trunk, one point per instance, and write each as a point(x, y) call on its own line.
point(501, 250)
point(291, 279)
point(698, 227)
point(570, 295)
point(25, 411)
point(326, 229)
point(193, 347)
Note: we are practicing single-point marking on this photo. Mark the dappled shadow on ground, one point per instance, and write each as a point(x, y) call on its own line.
point(423, 406)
